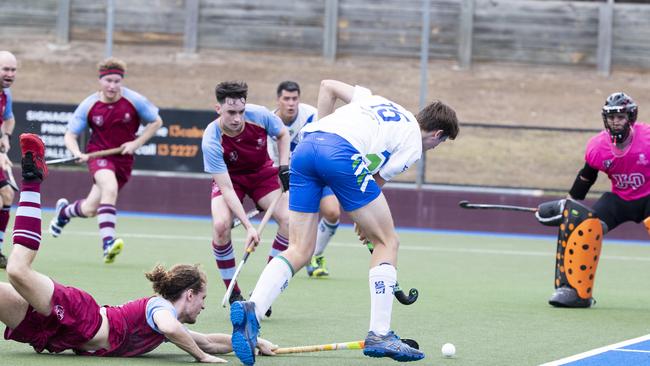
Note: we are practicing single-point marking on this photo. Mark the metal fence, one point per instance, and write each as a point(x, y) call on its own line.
point(598, 34)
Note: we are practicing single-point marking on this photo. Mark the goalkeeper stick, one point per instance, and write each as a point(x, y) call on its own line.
point(466, 204)
point(249, 249)
point(96, 154)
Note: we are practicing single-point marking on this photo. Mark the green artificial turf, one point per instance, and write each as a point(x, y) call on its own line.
point(486, 294)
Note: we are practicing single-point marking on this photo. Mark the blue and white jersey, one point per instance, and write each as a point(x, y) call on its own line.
point(6, 105)
point(246, 151)
point(156, 304)
point(306, 114)
point(387, 135)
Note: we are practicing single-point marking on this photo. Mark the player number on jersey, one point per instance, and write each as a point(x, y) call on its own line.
point(388, 112)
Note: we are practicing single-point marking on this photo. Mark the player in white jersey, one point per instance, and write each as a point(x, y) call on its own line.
point(354, 151)
point(295, 116)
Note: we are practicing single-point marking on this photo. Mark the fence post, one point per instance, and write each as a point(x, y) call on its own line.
point(330, 32)
point(63, 23)
point(424, 79)
point(110, 26)
point(605, 31)
point(190, 39)
point(465, 34)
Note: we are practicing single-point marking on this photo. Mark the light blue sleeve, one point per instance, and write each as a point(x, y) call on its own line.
point(154, 305)
point(213, 162)
point(263, 117)
point(79, 120)
point(146, 110)
point(9, 112)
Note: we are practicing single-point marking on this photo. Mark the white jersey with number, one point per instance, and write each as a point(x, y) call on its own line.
point(306, 114)
point(385, 133)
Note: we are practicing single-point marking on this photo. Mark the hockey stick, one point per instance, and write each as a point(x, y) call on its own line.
point(335, 347)
point(96, 154)
point(11, 181)
point(397, 291)
point(250, 214)
point(249, 249)
point(466, 204)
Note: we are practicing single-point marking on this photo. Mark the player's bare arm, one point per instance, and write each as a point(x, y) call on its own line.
point(228, 192)
point(329, 92)
point(72, 143)
point(131, 146)
point(283, 141)
point(177, 334)
point(7, 129)
point(220, 343)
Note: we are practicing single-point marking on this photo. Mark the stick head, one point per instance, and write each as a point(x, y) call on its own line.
point(463, 203)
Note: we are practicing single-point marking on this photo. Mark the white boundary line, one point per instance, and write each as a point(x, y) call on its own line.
point(597, 351)
point(520, 253)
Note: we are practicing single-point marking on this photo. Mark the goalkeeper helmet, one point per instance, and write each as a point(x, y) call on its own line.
point(620, 103)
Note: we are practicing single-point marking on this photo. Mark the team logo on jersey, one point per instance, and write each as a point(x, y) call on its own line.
point(261, 143)
point(642, 160)
point(59, 311)
point(98, 120)
point(232, 156)
point(127, 118)
point(607, 164)
point(103, 163)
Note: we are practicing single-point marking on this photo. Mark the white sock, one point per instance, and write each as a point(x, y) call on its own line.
point(326, 231)
point(382, 280)
point(273, 280)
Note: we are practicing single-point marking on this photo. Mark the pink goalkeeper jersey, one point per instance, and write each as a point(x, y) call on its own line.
point(628, 170)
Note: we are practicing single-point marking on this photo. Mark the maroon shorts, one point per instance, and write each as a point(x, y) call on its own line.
point(255, 185)
point(74, 320)
point(3, 178)
point(120, 165)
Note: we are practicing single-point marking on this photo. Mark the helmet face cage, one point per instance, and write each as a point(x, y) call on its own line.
point(620, 103)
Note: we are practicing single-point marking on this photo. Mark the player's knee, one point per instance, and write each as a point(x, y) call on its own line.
point(7, 195)
point(221, 230)
point(331, 214)
point(16, 271)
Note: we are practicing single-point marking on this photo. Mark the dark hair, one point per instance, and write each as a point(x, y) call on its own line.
point(439, 116)
point(171, 284)
point(231, 89)
point(288, 85)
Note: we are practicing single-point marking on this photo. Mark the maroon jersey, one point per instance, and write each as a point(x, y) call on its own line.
point(112, 124)
point(247, 152)
point(129, 334)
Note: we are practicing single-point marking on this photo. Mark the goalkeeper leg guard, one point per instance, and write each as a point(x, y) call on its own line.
point(578, 251)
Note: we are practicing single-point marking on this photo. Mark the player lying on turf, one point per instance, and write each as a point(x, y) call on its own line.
point(622, 151)
point(53, 317)
point(354, 151)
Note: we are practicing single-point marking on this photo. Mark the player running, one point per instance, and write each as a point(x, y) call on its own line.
point(114, 115)
point(53, 317)
point(8, 67)
point(295, 116)
point(622, 151)
point(235, 154)
point(354, 151)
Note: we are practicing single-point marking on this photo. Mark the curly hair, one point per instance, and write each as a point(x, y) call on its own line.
point(439, 116)
point(170, 284)
point(231, 89)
